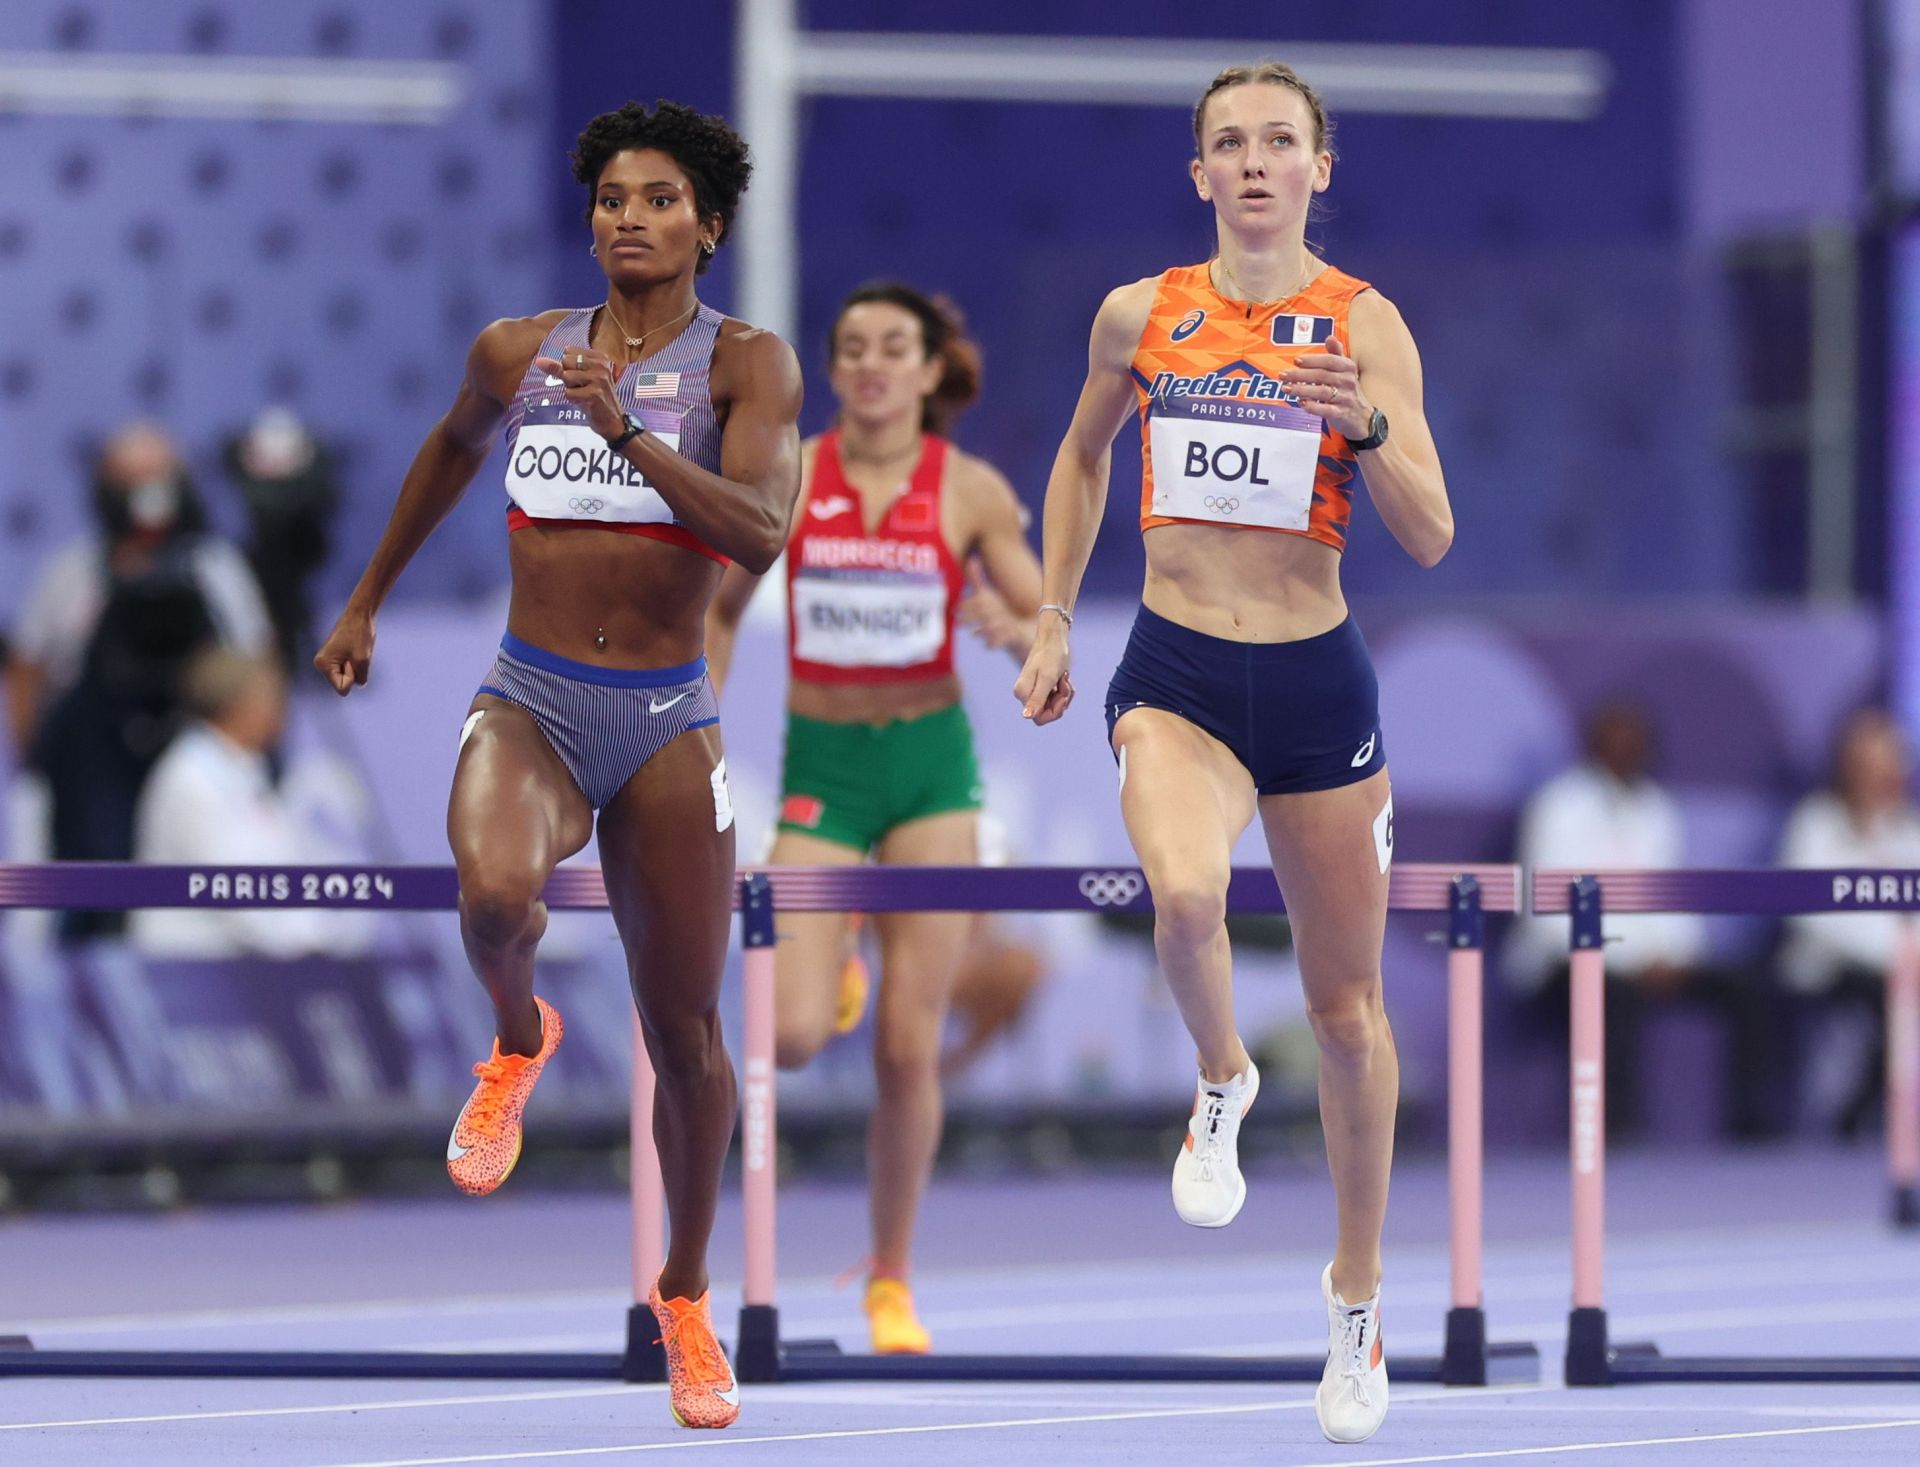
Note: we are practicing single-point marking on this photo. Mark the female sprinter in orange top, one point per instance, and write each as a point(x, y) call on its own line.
point(1263, 378)
point(879, 756)
point(649, 438)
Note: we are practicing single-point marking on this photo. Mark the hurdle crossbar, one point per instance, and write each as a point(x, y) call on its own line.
point(1463, 892)
point(1592, 1359)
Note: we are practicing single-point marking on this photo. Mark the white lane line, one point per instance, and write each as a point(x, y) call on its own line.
point(1649, 1441)
point(422, 1403)
point(687, 1443)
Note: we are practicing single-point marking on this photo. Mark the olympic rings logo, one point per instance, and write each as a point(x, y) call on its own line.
point(584, 505)
point(1111, 888)
point(1221, 504)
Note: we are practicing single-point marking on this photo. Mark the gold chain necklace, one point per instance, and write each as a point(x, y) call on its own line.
point(634, 344)
point(1221, 261)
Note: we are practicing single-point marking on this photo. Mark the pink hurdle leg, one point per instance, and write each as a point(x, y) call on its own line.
point(1903, 1076)
point(644, 1359)
point(759, 1128)
point(1589, 1129)
point(1464, 1121)
point(649, 1201)
point(1589, 1356)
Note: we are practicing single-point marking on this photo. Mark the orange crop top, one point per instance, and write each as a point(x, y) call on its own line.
point(1220, 442)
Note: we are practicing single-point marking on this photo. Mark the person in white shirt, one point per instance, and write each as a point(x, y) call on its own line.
point(1866, 818)
point(1608, 812)
point(212, 800)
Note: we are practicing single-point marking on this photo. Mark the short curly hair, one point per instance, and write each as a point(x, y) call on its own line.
point(709, 152)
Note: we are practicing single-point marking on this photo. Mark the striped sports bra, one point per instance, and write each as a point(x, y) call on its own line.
point(561, 472)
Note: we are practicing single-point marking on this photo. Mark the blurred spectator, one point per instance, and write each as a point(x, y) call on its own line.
point(92, 680)
point(147, 513)
point(288, 482)
point(1838, 963)
point(1608, 812)
point(212, 800)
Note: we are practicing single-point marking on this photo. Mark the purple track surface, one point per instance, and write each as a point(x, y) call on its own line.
point(1770, 1252)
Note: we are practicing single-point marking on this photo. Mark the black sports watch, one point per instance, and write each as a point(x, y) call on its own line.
point(635, 429)
point(1376, 433)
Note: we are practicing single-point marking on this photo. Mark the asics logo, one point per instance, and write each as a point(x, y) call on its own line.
point(1189, 323)
point(656, 706)
point(586, 504)
point(1221, 503)
point(1366, 750)
point(826, 509)
point(1111, 888)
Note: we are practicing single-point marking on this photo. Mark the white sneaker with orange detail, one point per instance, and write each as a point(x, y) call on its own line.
point(1352, 1399)
point(1208, 1190)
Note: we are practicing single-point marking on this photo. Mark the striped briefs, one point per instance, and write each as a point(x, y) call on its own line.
point(603, 722)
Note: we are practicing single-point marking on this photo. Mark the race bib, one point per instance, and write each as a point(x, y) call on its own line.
point(560, 469)
point(891, 622)
point(1233, 462)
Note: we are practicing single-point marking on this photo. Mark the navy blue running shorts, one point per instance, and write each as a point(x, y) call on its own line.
point(1300, 716)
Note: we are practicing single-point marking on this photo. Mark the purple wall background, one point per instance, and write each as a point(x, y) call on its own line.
point(216, 267)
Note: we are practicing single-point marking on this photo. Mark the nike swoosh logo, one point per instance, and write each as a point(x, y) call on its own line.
point(826, 509)
point(454, 1149)
point(659, 707)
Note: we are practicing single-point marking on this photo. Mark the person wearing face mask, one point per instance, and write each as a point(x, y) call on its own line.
point(879, 754)
point(93, 677)
point(147, 516)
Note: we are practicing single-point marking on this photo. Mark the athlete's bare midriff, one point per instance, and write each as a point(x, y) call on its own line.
point(1243, 585)
point(574, 584)
point(871, 702)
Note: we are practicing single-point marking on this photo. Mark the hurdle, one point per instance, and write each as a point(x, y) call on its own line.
point(1591, 1359)
point(1464, 893)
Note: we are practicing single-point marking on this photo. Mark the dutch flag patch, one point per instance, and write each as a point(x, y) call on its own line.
point(1301, 330)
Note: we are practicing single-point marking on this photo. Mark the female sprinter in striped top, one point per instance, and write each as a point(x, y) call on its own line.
point(1263, 379)
point(879, 755)
point(650, 439)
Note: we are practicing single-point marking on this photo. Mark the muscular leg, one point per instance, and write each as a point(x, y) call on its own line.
point(813, 949)
point(669, 880)
point(920, 955)
point(515, 814)
point(1186, 799)
point(1324, 855)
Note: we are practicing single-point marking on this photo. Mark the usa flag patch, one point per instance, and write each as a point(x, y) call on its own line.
point(1301, 330)
point(656, 384)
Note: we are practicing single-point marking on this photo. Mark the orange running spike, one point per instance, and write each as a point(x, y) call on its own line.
point(700, 1383)
point(485, 1144)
